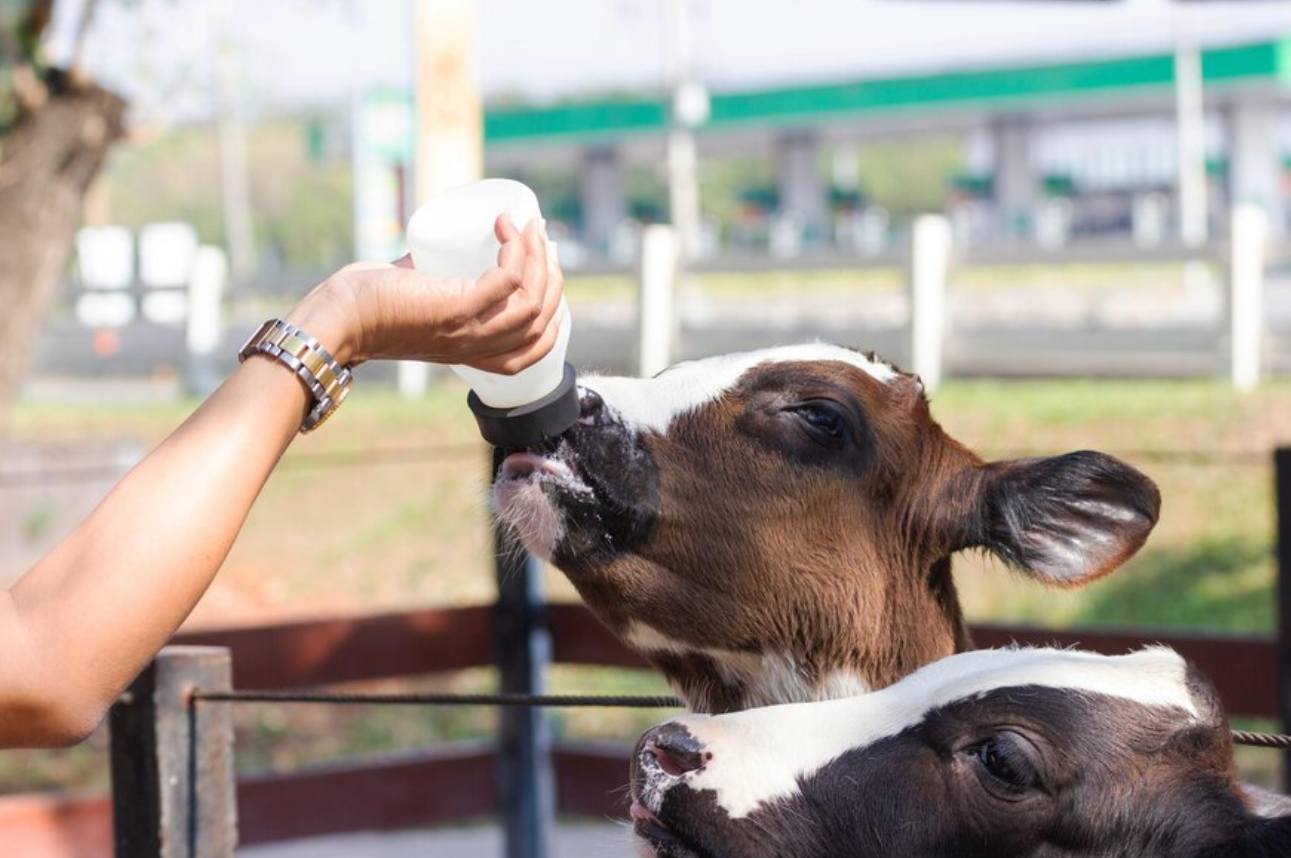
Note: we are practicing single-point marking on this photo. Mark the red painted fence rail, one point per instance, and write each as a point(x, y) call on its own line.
point(459, 783)
point(385, 646)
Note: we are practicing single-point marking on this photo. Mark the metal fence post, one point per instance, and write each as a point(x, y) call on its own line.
point(930, 249)
point(173, 789)
point(522, 643)
point(1282, 500)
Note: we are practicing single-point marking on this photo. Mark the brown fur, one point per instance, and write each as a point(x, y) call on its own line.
point(768, 544)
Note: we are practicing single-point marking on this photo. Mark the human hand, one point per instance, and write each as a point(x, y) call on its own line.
point(502, 322)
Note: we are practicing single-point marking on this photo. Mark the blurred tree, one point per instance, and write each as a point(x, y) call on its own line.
point(56, 126)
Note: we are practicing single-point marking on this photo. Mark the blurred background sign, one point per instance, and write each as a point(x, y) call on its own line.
point(383, 147)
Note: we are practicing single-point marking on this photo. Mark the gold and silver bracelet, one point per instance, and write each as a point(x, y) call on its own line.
point(325, 380)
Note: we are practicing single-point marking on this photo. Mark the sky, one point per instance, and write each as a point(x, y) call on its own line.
point(320, 52)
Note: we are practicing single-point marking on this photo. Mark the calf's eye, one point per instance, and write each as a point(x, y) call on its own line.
point(823, 421)
point(1004, 759)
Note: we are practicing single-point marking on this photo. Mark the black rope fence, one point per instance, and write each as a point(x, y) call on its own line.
point(1262, 740)
point(340, 698)
point(299, 461)
point(1275, 741)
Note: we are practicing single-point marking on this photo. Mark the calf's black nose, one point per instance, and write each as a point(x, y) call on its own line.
point(591, 407)
point(671, 749)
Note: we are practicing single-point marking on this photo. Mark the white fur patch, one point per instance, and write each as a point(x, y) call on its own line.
point(651, 404)
point(760, 755)
point(769, 677)
point(525, 506)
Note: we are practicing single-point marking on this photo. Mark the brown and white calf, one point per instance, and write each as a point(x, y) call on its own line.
point(1008, 753)
point(778, 526)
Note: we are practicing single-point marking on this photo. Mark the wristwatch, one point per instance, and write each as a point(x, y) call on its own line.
point(325, 380)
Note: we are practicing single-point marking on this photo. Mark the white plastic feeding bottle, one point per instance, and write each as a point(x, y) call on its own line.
point(452, 237)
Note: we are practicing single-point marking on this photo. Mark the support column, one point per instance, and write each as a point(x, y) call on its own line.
point(1016, 185)
point(799, 182)
point(1255, 161)
point(603, 194)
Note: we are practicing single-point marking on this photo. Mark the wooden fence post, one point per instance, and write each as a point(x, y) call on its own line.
point(522, 646)
point(173, 790)
point(1282, 499)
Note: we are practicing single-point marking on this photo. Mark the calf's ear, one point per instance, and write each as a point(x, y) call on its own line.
point(1065, 520)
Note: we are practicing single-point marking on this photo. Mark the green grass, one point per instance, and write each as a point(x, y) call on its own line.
point(1154, 277)
point(412, 531)
point(1208, 564)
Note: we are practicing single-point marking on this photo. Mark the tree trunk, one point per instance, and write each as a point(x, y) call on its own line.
point(47, 162)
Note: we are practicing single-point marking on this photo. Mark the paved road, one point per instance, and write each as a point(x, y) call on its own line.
point(583, 841)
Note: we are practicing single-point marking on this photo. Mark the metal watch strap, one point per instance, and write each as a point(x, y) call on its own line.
point(325, 380)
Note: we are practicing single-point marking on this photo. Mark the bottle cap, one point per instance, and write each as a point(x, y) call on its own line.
point(531, 424)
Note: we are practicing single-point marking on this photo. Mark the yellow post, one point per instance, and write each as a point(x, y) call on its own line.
point(449, 118)
point(450, 121)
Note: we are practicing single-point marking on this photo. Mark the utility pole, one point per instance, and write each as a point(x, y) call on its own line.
point(688, 109)
point(1190, 119)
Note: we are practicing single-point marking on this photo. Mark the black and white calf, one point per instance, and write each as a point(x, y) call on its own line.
point(778, 526)
point(1019, 753)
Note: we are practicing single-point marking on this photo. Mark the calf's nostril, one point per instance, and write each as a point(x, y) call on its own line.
point(590, 407)
point(674, 750)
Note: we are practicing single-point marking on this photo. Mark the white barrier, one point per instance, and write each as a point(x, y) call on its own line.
point(658, 321)
point(929, 270)
point(1248, 244)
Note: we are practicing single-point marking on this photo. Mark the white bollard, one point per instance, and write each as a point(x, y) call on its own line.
point(205, 296)
point(205, 324)
point(1248, 238)
point(412, 377)
point(658, 322)
point(930, 249)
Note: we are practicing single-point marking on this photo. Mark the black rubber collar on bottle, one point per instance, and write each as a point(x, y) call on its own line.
point(528, 425)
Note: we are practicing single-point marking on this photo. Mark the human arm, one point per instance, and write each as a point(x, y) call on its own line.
point(85, 619)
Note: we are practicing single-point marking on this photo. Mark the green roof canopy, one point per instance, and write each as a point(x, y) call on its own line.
point(805, 105)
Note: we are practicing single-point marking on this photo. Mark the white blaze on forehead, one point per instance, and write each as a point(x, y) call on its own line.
point(760, 755)
point(651, 404)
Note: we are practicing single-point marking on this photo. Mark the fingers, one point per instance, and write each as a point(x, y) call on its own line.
point(555, 288)
point(523, 332)
point(504, 321)
point(522, 310)
point(537, 271)
point(505, 229)
point(488, 296)
point(523, 357)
